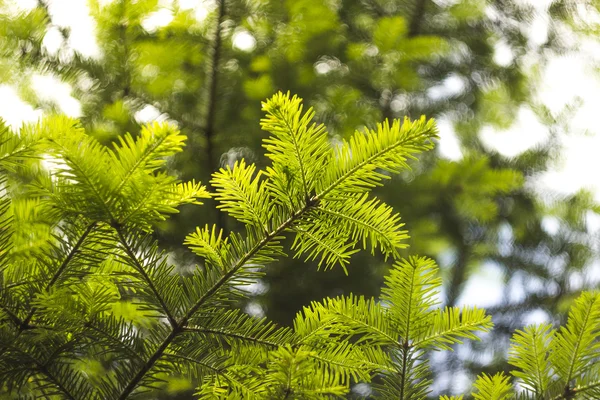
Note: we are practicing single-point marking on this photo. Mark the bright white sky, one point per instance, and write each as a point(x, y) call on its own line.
point(565, 79)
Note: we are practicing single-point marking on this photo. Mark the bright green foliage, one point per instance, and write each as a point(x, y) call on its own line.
point(529, 352)
point(552, 363)
point(73, 297)
point(562, 363)
point(405, 324)
point(356, 62)
point(495, 387)
point(91, 308)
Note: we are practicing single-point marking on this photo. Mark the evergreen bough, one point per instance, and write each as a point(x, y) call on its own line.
point(91, 308)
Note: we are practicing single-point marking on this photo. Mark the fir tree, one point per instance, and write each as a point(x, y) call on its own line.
point(90, 308)
point(356, 62)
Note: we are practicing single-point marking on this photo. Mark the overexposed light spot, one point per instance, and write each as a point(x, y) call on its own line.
point(448, 144)
point(15, 111)
point(157, 20)
point(535, 317)
point(592, 221)
point(322, 68)
point(550, 225)
point(445, 3)
point(485, 288)
point(201, 8)
point(586, 14)
point(451, 86)
point(51, 89)
point(564, 79)
point(460, 382)
point(443, 379)
point(53, 164)
point(539, 5)
point(14, 7)
point(244, 41)
point(537, 30)
point(327, 64)
point(592, 274)
point(535, 284)
point(148, 114)
point(371, 50)
point(503, 54)
point(53, 40)
point(256, 288)
point(524, 134)
point(556, 267)
point(576, 280)
point(75, 15)
point(84, 82)
point(484, 357)
point(574, 170)
point(254, 309)
point(516, 290)
point(187, 4)
point(505, 239)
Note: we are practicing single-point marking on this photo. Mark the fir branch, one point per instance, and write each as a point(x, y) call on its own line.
point(179, 327)
point(193, 361)
point(134, 355)
point(61, 269)
point(69, 257)
point(570, 393)
point(140, 268)
point(147, 154)
point(235, 335)
point(427, 132)
point(405, 349)
point(94, 151)
point(404, 368)
point(296, 147)
point(44, 370)
point(12, 316)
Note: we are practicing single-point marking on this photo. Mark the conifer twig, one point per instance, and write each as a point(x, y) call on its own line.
point(63, 266)
point(140, 268)
point(182, 324)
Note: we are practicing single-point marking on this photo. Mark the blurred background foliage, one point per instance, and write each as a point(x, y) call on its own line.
point(207, 65)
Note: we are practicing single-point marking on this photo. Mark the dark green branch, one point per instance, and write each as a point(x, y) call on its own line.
point(12, 316)
point(406, 343)
point(417, 18)
point(140, 268)
point(61, 269)
point(43, 370)
point(459, 272)
point(211, 107)
point(232, 335)
point(134, 354)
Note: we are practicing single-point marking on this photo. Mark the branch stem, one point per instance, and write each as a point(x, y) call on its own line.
point(181, 325)
point(140, 268)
